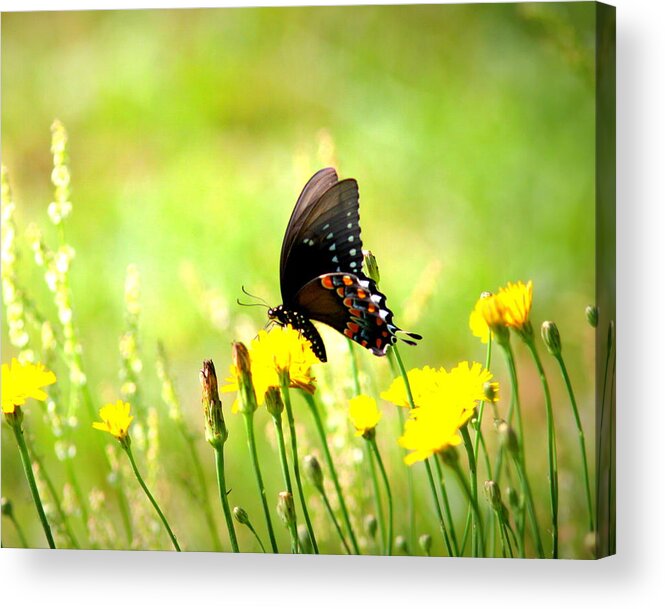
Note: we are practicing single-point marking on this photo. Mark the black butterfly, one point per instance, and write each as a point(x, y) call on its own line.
point(321, 274)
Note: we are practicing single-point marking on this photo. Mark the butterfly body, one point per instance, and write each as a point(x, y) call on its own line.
point(321, 276)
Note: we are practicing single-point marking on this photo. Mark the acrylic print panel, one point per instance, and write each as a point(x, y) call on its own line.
point(201, 354)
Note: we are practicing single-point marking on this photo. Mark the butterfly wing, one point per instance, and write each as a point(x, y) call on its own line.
point(352, 305)
point(323, 235)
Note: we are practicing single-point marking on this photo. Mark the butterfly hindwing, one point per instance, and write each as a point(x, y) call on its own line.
point(326, 240)
point(353, 306)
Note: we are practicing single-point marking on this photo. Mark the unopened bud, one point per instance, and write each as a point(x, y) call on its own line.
point(274, 402)
point(215, 427)
point(7, 507)
point(313, 472)
point(508, 438)
point(304, 540)
point(241, 515)
point(491, 391)
point(246, 392)
point(286, 510)
point(592, 315)
point(551, 337)
point(370, 524)
point(401, 544)
point(425, 542)
point(371, 266)
point(493, 494)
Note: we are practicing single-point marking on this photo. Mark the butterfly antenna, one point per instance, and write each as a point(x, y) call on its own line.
point(262, 300)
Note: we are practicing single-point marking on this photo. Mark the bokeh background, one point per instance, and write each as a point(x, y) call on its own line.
point(470, 130)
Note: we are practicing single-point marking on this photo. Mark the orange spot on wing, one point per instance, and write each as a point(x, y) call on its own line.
point(379, 321)
point(353, 327)
point(348, 333)
point(347, 280)
point(348, 302)
point(378, 343)
point(371, 308)
point(341, 292)
point(356, 312)
point(327, 283)
point(363, 343)
point(384, 333)
point(362, 294)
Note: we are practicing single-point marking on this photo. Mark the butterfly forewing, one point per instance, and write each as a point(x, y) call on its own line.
point(326, 240)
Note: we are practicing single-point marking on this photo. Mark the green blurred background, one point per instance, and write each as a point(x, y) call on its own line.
point(470, 130)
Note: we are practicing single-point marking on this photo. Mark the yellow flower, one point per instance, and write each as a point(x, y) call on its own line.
point(115, 419)
point(516, 299)
point(23, 381)
point(491, 309)
point(478, 324)
point(432, 428)
point(364, 414)
point(282, 350)
point(422, 382)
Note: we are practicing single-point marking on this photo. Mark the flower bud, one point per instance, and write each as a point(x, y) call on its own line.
point(370, 524)
point(425, 542)
point(592, 315)
point(304, 540)
point(286, 510)
point(401, 545)
point(491, 391)
point(215, 427)
point(508, 438)
point(7, 507)
point(246, 391)
point(274, 402)
point(241, 515)
point(371, 266)
point(313, 473)
point(493, 494)
point(551, 337)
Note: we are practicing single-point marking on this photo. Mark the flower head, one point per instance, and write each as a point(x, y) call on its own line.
point(23, 381)
point(516, 299)
point(364, 414)
point(282, 351)
point(477, 321)
point(422, 382)
point(115, 419)
point(432, 428)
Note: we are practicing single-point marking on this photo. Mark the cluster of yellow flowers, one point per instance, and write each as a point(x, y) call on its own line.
point(282, 350)
point(443, 402)
point(23, 381)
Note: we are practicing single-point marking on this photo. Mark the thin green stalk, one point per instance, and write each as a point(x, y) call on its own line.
point(410, 490)
point(203, 489)
point(354, 367)
point(251, 442)
point(378, 506)
point(580, 437)
point(296, 461)
point(387, 549)
point(27, 468)
point(19, 532)
point(428, 467)
point(338, 528)
point(311, 402)
point(464, 483)
point(530, 510)
point(221, 483)
point(473, 481)
point(281, 446)
point(56, 499)
point(256, 535)
point(128, 450)
point(551, 449)
point(446, 507)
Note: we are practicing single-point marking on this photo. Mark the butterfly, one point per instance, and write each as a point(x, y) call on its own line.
point(321, 277)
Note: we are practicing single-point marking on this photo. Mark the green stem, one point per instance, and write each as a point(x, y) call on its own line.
point(203, 488)
point(551, 449)
point(19, 532)
point(56, 499)
point(251, 442)
point(428, 467)
point(378, 507)
point(354, 367)
point(128, 450)
point(580, 437)
point(277, 420)
point(338, 528)
point(388, 550)
point(256, 535)
point(295, 460)
point(311, 402)
point(410, 489)
point(221, 483)
point(530, 509)
point(27, 468)
point(464, 483)
point(473, 481)
point(446, 507)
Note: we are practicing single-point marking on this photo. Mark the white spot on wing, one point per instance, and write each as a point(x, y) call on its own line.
point(332, 247)
point(350, 238)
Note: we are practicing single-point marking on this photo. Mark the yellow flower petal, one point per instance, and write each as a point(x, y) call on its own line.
point(23, 381)
point(115, 419)
point(364, 413)
point(516, 299)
